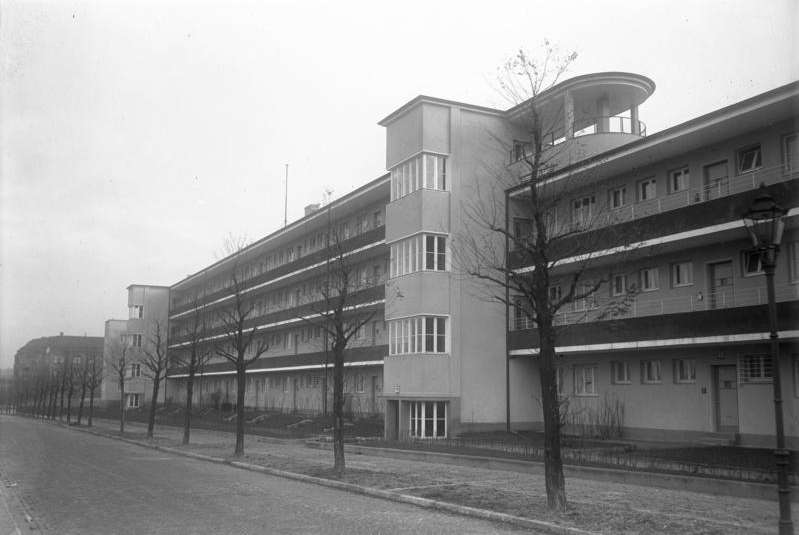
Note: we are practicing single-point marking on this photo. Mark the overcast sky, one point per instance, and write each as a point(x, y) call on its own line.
point(135, 136)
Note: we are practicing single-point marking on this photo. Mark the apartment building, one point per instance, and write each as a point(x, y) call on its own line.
point(281, 278)
point(686, 355)
point(673, 343)
point(683, 355)
point(40, 358)
point(147, 323)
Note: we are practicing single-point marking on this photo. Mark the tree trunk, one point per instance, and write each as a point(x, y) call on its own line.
point(153, 406)
point(241, 377)
point(82, 400)
point(91, 406)
point(553, 464)
point(187, 415)
point(122, 407)
point(338, 411)
point(70, 395)
point(61, 401)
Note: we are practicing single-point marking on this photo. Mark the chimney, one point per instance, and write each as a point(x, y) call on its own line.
point(311, 208)
point(61, 333)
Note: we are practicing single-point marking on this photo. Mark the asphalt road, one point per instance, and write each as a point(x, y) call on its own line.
point(71, 482)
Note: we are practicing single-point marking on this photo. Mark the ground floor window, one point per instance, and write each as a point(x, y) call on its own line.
point(650, 371)
point(133, 400)
point(585, 380)
point(428, 419)
point(755, 369)
point(685, 371)
point(620, 373)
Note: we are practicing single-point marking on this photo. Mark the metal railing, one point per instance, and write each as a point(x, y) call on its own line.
point(615, 124)
point(642, 305)
point(722, 187)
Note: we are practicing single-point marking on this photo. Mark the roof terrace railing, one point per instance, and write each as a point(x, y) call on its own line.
point(611, 124)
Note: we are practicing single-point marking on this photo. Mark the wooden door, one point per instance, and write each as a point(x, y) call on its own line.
point(720, 290)
point(726, 398)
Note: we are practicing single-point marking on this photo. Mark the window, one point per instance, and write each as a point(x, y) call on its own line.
point(135, 370)
point(134, 340)
point(647, 189)
point(522, 232)
point(752, 264)
point(585, 380)
point(435, 253)
point(135, 311)
point(555, 294)
point(420, 252)
point(682, 274)
point(560, 379)
point(133, 400)
point(617, 197)
point(679, 180)
point(426, 171)
point(793, 260)
point(420, 334)
point(649, 279)
point(520, 318)
point(359, 384)
point(586, 298)
point(377, 219)
point(620, 373)
point(749, 159)
point(285, 384)
point(790, 152)
point(795, 360)
point(520, 150)
point(755, 369)
point(618, 285)
point(650, 371)
point(428, 419)
point(583, 210)
point(685, 371)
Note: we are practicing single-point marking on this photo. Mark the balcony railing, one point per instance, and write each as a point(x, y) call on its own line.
point(725, 186)
point(643, 305)
point(614, 125)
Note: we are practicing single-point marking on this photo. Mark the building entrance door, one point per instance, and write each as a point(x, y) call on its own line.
point(720, 285)
point(725, 382)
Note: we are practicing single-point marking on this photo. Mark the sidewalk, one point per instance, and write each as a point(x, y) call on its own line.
point(595, 506)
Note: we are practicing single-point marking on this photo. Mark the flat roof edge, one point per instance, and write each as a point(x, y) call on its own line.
point(421, 99)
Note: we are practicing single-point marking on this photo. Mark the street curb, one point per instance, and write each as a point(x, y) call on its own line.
point(680, 482)
point(426, 503)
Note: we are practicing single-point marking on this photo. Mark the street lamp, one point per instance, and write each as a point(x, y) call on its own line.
point(765, 222)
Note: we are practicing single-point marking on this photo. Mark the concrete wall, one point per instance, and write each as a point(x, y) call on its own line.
point(667, 410)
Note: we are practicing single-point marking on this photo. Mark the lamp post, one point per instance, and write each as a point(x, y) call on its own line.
point(765, 222)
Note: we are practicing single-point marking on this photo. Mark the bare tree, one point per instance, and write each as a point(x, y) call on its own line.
point(94, 379)
point(193, 355)
point(118, 360)
point(238, 338)
point(83, 378)
point(154, 361)
point(515, 245)
point(333, 313)
point(240, 344)
point(71, 370)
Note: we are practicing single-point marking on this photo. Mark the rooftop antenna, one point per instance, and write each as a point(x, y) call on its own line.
point(286, 200)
